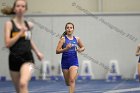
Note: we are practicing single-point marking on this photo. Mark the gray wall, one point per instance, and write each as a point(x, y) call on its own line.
point(105, 36)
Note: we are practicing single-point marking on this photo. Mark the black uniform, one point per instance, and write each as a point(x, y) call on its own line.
point(20, 52)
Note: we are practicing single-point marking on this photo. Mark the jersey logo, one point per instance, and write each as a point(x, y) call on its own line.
point(15, 33)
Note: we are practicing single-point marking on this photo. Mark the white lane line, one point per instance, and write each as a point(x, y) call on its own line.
point(123, 90)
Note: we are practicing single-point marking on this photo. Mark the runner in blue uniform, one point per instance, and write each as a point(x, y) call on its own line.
point(69, 45)
point(138, 54)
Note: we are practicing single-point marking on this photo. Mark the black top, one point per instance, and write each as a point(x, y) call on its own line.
point(22, 45)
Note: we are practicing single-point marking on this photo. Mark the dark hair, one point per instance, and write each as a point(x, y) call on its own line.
point(7, 10)
point(10, 10)
point(65, 33)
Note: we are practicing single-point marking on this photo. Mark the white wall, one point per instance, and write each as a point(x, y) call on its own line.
point(105, 37)
point(66, 6)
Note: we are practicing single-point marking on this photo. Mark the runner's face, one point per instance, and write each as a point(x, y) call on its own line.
point(20, 7)
point(69, 29)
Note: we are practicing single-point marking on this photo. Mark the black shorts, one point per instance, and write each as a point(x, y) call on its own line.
point(17, 60)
